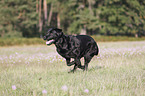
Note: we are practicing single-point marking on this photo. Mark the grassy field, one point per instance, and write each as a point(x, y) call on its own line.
point(38, 41)
point(37, 70)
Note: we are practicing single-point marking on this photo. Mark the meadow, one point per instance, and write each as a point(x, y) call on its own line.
point(37, 70)
point(37, 41)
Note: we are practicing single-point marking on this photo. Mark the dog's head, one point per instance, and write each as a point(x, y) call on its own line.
point(52, 35)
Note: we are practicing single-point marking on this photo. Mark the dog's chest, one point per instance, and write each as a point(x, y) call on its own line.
point(68, 53)
point(70, 48)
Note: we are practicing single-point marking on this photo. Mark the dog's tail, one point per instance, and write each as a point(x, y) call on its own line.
point(96, 49)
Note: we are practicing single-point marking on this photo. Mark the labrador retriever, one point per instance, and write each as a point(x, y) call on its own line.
point(75, 47)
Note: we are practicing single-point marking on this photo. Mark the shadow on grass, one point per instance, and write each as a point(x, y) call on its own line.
point(95, 68)
point(89, 69)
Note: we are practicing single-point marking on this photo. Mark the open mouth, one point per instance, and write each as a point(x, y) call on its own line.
point(49, 42)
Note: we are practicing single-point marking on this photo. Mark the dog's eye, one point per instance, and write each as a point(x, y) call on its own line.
point(47, 34)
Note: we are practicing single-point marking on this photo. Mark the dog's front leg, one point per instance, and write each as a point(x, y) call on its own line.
point(69, 63)
point(77, 64)
point(75, 67)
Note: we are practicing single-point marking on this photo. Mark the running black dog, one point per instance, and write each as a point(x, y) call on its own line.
point(69, 46)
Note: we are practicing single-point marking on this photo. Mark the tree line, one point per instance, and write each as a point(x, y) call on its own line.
point(32, 18)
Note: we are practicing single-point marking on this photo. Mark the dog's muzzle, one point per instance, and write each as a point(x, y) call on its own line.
point(49, 42)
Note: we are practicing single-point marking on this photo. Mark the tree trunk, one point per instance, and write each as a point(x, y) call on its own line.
point(45, 11)
point(136, 35)
point(83, 30)
point(90, 7)
point(40, 18)
point(58, 20)
point(50, 14)
point(37, 6)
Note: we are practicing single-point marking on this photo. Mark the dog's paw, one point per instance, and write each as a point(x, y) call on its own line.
point(71, 71)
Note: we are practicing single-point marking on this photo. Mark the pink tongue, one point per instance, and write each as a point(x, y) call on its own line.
point(48, 42)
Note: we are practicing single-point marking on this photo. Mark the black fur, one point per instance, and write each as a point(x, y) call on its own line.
point(76, 47)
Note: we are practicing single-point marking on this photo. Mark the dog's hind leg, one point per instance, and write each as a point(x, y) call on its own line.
point(78, 62)
point(87, 59)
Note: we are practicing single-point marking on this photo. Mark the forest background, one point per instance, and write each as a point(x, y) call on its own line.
point(32, 18)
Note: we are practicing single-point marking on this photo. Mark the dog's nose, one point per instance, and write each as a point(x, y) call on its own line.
point(44, 37)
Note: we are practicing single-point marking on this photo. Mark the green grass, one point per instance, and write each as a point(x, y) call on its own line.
point(20, 41)
point(116, 38)
point(37, 41)
point(118, 70)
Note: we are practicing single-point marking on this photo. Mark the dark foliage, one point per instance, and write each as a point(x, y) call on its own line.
point(23, 18)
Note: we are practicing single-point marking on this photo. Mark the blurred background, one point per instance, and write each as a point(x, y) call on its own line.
point(32, 18)
point(29, 68)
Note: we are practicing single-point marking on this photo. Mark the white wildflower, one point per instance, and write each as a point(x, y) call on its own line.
point(44, 92)
point(64, 88)
point(86, 91)
point(14, 87)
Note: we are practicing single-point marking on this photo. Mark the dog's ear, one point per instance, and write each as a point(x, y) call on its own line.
point(58, 30)
point(50, 29)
